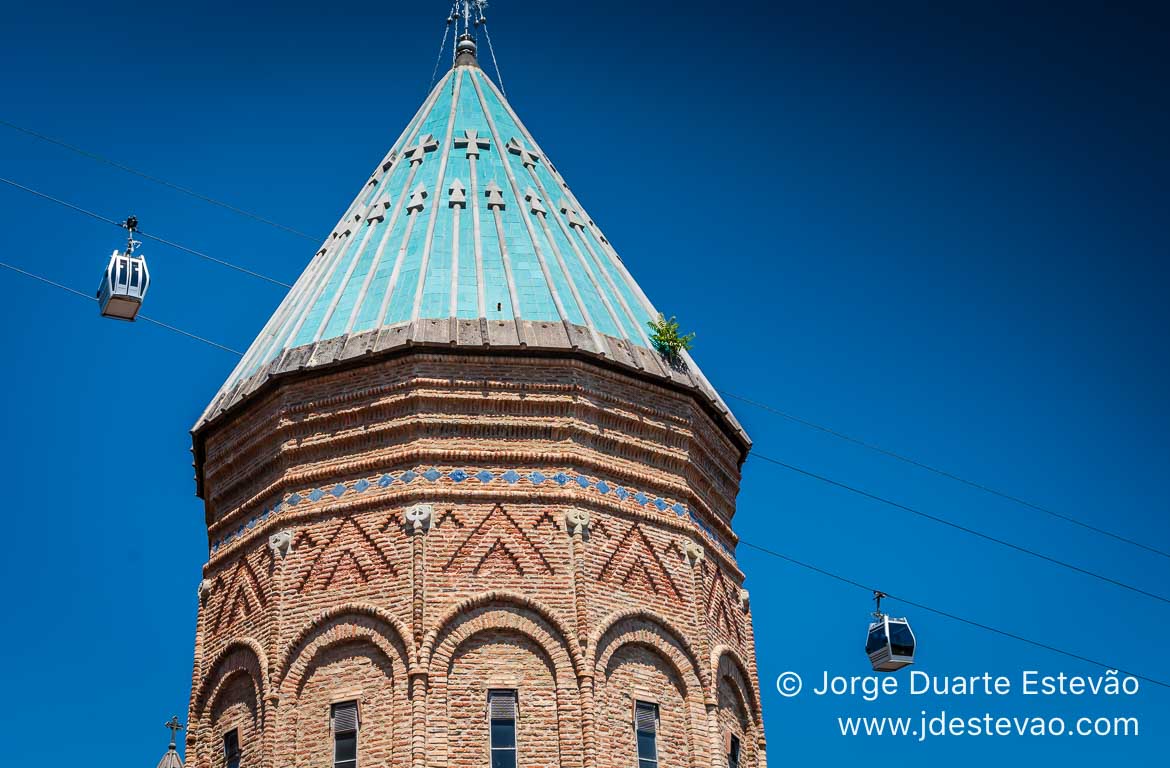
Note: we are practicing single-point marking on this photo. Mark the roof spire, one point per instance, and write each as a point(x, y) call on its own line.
point(465, 51)
point(170, 758)
point(468, 15)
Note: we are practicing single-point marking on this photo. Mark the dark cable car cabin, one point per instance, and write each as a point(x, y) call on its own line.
point(125, 281)
point(890, 643)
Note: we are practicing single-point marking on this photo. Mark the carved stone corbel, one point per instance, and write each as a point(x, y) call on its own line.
point(577, 521)
point(419, 517)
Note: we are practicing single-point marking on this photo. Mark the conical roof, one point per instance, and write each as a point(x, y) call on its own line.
point(171, 759)
point(464, 236)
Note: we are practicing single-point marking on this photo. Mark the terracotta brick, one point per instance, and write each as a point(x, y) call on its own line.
point(495, 590)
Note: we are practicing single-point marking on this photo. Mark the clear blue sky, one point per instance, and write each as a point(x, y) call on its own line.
point(944, 230)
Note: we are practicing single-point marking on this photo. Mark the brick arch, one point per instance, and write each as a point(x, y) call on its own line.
point(726, 662)
point(337, 625)
point(448, 632)
point(502, 612)
point(668, 641)
point(646, 630)
point(240, 656)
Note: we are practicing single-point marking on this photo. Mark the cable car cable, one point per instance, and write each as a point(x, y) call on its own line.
point(141, 316)
point(745, 542)
point(958, 527)
point(757, 455)
point(942, 472)
point(755, 403)
point(155, 179)
point(156, 238)
point(951, 616)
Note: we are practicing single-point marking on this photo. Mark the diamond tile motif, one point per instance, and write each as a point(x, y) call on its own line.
point(484, 476)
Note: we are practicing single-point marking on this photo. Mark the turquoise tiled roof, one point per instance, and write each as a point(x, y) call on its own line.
point(464, 234)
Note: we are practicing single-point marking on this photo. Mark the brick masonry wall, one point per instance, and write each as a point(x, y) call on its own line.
point(581, 600)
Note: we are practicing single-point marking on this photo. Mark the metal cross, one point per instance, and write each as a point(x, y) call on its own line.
point(425, 144)
point(527, 156)
point(175, 727)
point(534, 202)
point(471, 140)
point(495, 196)
point(416, 199)
point(458, 196)
point(574, 217)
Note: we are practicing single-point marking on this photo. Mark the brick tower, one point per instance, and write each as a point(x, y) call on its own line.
point(461, 512)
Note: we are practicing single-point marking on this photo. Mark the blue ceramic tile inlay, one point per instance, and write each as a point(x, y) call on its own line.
point(510, 476)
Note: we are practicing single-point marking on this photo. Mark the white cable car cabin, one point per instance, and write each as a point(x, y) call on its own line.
point(125, 281)
point(890, 642)
point(123, 286)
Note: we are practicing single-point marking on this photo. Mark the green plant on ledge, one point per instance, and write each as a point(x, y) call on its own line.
point(666, 338)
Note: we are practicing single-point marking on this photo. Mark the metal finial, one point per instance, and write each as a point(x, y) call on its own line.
point(175, 727)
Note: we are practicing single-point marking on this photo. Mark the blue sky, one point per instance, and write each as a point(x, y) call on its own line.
point(942, 230)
